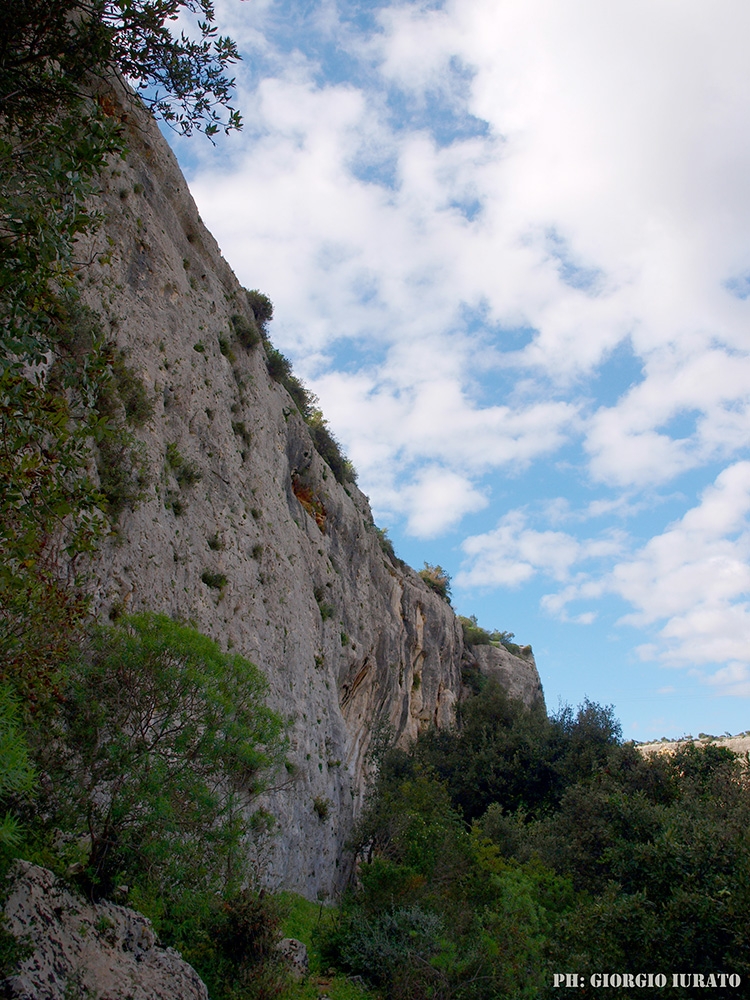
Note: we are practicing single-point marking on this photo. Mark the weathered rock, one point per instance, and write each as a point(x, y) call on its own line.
point(260, 547)
point(516, 674)
point(295, 954)
point(93, 951)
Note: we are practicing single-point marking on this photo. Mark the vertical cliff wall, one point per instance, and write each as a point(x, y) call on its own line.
point(348, 639)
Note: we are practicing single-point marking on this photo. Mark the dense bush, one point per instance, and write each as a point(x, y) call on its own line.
point(262, 308)
point(17, 777)
point(247, 332)
point(158, 739)
point(60, 125)
point(329, 449)
point(231, 941)
point(474, 634)
point(581, 853)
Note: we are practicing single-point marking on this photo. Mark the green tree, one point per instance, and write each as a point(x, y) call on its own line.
point(160, 742)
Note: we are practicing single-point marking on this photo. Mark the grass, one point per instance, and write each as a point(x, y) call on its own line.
point(304, 921)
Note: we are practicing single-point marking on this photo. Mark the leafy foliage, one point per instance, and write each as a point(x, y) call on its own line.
point(158, 739)
point(186, 472)
point(50, 506)
point(437, 912)
point(51, 50)
point(17, 777)
point(328, 447)
point(230, 940)
point(475, 635)
point(262, 308)
point(246, 331)
point(581, 854)
point(280, 369)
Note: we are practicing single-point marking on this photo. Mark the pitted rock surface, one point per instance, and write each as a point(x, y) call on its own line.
point(517, 675)
point(99, 951)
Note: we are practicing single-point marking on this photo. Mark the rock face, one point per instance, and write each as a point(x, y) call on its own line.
point(295, 955)
point(515, 674)
point(244, 530)
point(86, 950)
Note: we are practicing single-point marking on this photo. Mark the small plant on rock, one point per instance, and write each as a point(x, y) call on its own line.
point(322, 807)
point(246, 331)
point(437, 580)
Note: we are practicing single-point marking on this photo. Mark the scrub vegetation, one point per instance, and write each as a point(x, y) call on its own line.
point(519, 845)
point(280, 369)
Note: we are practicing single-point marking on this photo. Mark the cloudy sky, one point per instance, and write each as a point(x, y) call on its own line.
point(508, 245)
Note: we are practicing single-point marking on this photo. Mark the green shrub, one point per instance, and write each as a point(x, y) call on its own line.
point(262, 308)
point(156, 733)
point(329, 449)
point(386, 545)
point(437, 580)
point(246, 331)
point(241, 431)
point(234, 946)
point(131, 390)
point(174, 502)
point(217, 581)
point(386, 944)
point(17, 778)
point(187, 473)
point(226, 348)
point(123, 473)
point(326, 610)
point(280, 369)
point(474, 634)
point(321, 807)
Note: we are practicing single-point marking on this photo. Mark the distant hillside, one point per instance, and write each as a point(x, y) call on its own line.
point(738, 744)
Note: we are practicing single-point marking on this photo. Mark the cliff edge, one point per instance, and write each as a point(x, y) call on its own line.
point(243, 529)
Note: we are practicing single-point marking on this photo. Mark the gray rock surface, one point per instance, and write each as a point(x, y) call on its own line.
point(516, 674)
point(349, 640)
point(295, 954)
point(93, 951)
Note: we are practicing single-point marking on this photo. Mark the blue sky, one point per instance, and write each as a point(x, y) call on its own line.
point(508, 246)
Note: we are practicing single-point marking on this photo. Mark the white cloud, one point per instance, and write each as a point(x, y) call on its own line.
point(692, 581)
point(694, 573)
point(454, 300)
point(640, 176)
point(626, 447)
point(732, 680)
point(436, 499)
point(513, 553)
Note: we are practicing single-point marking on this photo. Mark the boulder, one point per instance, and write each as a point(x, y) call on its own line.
point(81, 949)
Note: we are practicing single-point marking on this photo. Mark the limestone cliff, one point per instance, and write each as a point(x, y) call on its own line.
point(245, 531)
